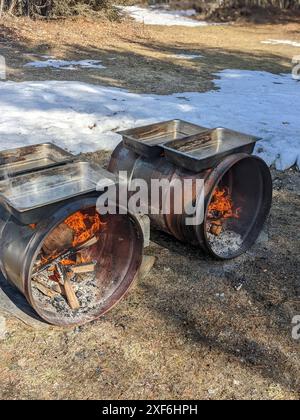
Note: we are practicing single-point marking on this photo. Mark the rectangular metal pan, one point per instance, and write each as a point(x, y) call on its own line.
point(23, 194)
point(204, 151)
point(32, 158)
point(147, 141)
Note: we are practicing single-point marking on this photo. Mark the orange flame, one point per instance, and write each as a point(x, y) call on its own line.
point(84, 226)
point(222, 206)
point(67, 262)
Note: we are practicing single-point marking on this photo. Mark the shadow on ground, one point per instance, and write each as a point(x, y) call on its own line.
point(14, 303)
point(143, 66)
point(242, 308)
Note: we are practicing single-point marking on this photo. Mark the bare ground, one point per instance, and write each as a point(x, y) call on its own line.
point(185, 331)
point(139, 57)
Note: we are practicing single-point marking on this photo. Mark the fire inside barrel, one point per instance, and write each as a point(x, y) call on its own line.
point(67, 256)
point(84, 226)
point(221, 208)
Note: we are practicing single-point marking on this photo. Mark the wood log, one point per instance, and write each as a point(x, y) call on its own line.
point(46, 290)
point(58, 288)
point(70, 294)
point(83, 268)
point(1, 7)
point(65, 255)
point(216, 228)
point(65, 282)
point(88, 243)
point(60, 238)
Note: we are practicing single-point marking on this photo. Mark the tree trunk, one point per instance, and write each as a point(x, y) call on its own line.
point(12, 6)
point(27, 8)
point(1, 7)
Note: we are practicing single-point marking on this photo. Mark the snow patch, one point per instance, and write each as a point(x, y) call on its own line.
point(187, 56)
point(81, 117)
point(3, 329)
point(66, 65)
point(163, 16)
point(38, 55)
point(282, 42)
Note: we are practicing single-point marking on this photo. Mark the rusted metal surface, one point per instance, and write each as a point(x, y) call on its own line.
point(118, 253)
point(247, 176)
point(34, 204)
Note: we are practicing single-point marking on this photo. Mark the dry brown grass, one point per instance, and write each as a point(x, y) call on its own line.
point(183, 332)
point(143, 55)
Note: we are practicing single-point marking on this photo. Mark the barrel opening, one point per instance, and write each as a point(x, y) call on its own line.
point(84, 266)
point(237, 208)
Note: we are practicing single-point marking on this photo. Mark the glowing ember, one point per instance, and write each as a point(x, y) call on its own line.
point(46, 260)
point(67, 262)
point(221, 206)
point(84, 226)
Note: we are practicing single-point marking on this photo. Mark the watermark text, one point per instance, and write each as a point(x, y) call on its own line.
point(162, 197)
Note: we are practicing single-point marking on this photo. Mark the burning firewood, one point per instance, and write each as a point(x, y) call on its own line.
point(67, 252)
point(65, 255)
point(60, 239)
point(221, 208)
point(216, 228)
point(88, 243)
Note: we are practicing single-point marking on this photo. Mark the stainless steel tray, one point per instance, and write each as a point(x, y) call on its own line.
point(25, 193)
point(203, 151)
point(31, 158)
point(147, 141)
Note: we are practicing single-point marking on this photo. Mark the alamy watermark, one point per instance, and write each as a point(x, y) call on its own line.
point(161, 197)
point(2, 68)
point(296, 327)
point(296, 68)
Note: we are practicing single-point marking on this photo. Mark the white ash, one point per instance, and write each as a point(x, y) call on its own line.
point(226, 243)
point(86, 290)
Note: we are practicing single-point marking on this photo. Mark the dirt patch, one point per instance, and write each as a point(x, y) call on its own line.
point(142, 58)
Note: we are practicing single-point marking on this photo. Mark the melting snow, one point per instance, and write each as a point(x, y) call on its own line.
point(162, 16)
point(187, 56)
point(66, 65)
point(281, 42)
point(82, 117)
